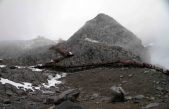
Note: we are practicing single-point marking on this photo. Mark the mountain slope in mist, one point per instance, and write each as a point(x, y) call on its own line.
point(102, 39)
point(27, 52)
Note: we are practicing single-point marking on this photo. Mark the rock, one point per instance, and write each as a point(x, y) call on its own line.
point(118, 94)
point(94, 96)
point(151, 105)
point(68, 105)
point(159, 88)
point(128, 98)
point(20, 92)
point(121, 76)
point(130, 75)
point(1, 60)
point(71, 94)
point(13, 67)
point(139, 97)
point(152, 98)
point(9, 93)
point(106, 99)
point(136, 101)
point(7, 101)
point(36, 98)
point(124, 81)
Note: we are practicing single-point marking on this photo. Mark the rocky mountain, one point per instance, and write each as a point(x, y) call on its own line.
point(101, 40)
point(27, 52)
point(40, 41)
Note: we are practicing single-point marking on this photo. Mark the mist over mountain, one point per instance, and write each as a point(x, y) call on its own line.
point(26, 52)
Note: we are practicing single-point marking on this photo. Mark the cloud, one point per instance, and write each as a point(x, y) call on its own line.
point(61, 18)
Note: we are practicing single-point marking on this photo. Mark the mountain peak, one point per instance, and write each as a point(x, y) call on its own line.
point(103, 18)
point(104, 30)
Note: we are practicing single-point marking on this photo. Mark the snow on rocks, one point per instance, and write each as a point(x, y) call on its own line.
point(20, 67)
point(35, 69)
point(52, 81)
point(91, 40)
point(24, 86)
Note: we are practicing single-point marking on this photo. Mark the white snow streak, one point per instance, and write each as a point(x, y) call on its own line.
point(2, 66)
point(91, 40)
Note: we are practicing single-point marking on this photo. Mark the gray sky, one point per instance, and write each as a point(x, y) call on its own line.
point(25, 19)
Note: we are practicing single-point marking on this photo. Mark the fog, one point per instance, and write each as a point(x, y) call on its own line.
point(26, 19)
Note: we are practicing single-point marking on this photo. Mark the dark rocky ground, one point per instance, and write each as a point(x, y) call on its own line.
point(12, 97)
point(142, 87)
point(95, 87)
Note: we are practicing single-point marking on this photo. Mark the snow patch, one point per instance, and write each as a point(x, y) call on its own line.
point(2, 66)
point(52, 81)
point(40, 64)
point(20, 67)
point(35, 69)
point(91, 40)
point(23, 86)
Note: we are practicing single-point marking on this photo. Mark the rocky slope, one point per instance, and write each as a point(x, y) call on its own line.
point(142, 87)
point(102, 39)
point(27, 52)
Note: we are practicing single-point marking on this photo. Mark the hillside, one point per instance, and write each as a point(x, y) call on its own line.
point(27, 52)
point(103, 40)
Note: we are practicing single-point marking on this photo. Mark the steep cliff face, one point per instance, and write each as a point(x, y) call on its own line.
point(103, 39)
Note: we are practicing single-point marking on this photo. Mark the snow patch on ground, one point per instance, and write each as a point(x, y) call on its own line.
point(35, 69)
point(91, 40)
point(52, 81)
point(2, 66)
point(23, 86)
point(40, 64)
point(20, 67)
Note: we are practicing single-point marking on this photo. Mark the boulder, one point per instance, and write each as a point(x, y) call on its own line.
point(68, 105)
point(71, 94)
point(118, 94)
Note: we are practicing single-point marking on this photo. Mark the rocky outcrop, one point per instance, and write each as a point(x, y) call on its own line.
point(71, 94)
point(101, 40)
point(106, 30)
point(118, 94)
